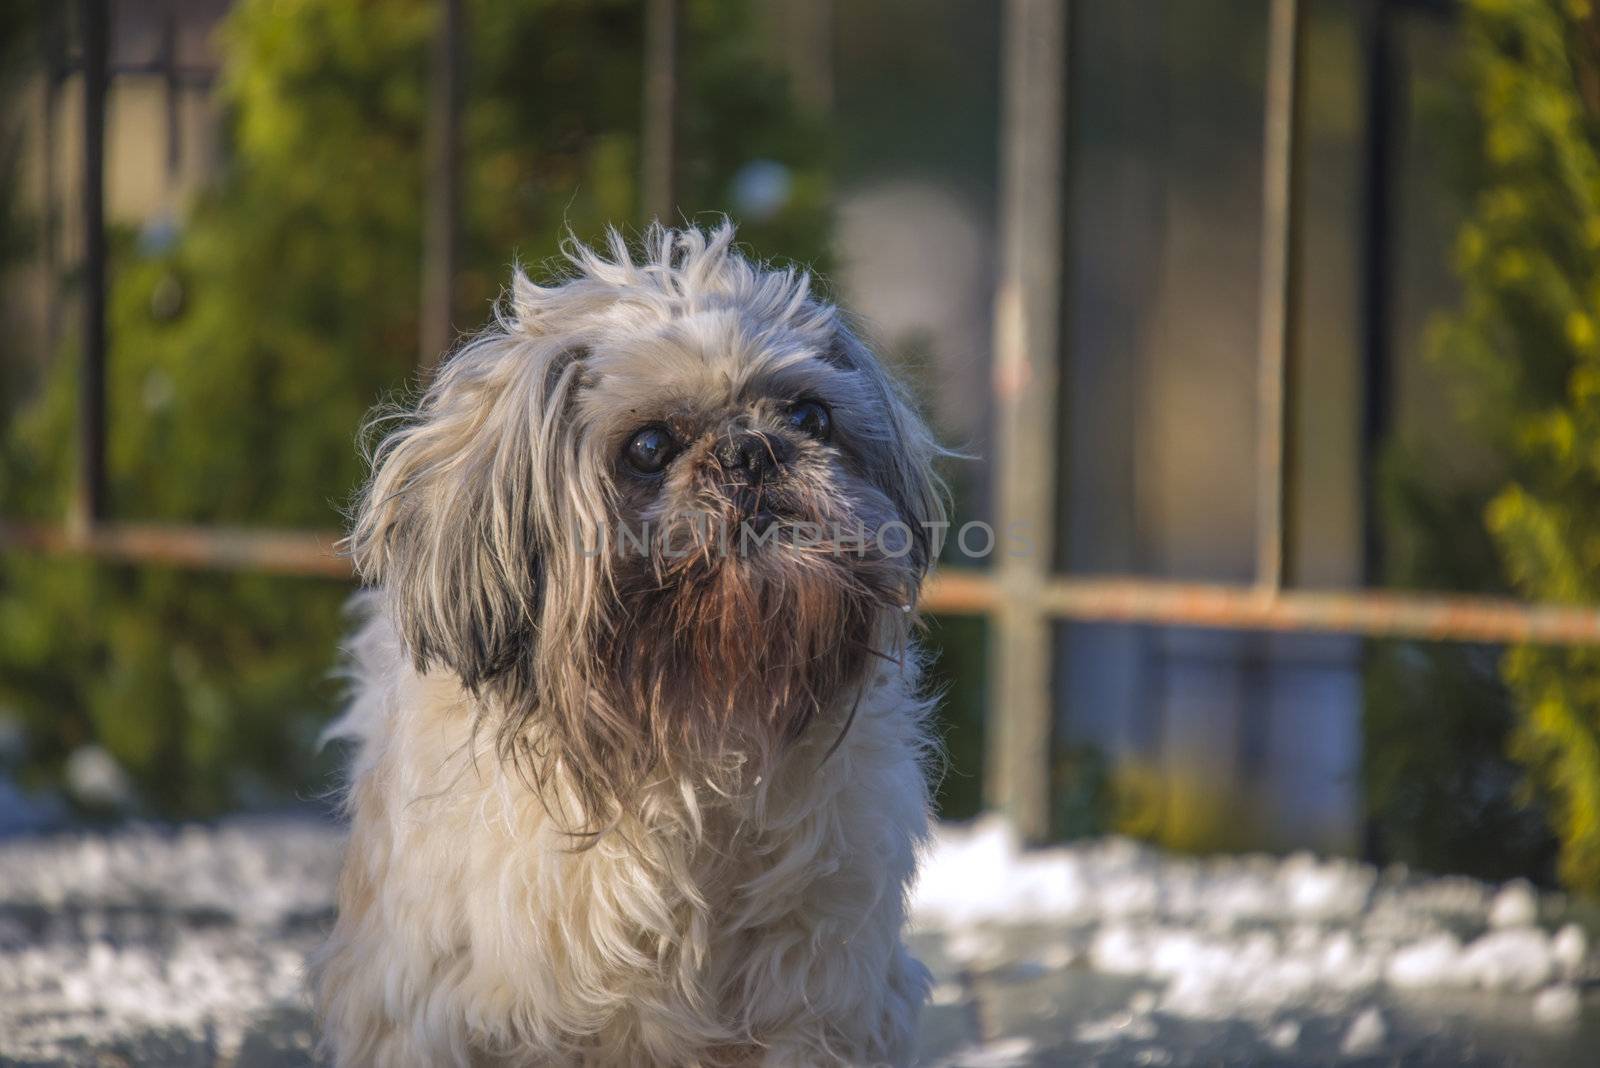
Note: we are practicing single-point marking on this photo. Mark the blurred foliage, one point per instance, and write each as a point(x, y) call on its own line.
point(1134, 795)
point(18, 49)
point(1441, 790)
point(1526, 348)
point(246, 349)
point(1082, 801)
point(958, 649)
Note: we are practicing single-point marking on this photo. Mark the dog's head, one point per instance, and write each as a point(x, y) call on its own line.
point(665, 509)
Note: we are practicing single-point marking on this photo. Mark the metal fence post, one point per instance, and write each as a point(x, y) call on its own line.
point(1279, 151)
point(1385, 105)
point(88, 503)
point(658, 194)
point(1027, 353)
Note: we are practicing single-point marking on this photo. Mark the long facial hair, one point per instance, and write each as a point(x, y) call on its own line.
point(698, 658)
point(736, 635)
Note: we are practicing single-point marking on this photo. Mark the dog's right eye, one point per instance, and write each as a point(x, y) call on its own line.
point(650, 449)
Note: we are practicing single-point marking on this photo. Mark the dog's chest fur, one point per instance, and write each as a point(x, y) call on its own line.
point(763, 929)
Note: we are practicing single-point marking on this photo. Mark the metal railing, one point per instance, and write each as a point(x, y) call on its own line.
point(1022, 596)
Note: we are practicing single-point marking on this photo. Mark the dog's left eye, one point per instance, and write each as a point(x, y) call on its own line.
point(650, 449)
point(811, 417)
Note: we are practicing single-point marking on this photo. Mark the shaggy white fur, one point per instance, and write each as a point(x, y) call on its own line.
point(470, 926)
point(736, 906)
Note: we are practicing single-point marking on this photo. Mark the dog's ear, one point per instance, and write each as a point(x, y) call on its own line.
point(453, 522)
point(902, 465)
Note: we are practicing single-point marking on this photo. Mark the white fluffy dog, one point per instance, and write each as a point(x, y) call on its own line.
point(639, 741)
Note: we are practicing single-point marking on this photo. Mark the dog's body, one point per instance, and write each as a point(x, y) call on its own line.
point(662, 812)
point(469, 923)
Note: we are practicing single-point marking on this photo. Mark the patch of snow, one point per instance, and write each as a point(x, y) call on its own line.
point(1001, 1053)
point(1268, 941)
point(1434, 961)
point(1510, 958)
point(95, 778)
point(1118, 1027)
point(201, 932)
point(1325, 890)
point(1285, 1035)
point(257, 872)
point(1570, 948)
point(1558, 1004)
point(1516, 905)
point(983, 875)
point(1366, 1035)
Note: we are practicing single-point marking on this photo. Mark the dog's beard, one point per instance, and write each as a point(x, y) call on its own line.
point(730, 642)
point(756, 610)
point(742, 622)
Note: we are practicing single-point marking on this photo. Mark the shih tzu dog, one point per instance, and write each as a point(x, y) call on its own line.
point(639, 756)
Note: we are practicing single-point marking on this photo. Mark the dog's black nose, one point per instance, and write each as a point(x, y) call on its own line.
point(755, 456)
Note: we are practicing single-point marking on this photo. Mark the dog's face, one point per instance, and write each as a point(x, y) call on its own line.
point(706, 422)
point(666, 513)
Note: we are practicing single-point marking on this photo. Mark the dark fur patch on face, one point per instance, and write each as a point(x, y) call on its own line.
point(743, 633)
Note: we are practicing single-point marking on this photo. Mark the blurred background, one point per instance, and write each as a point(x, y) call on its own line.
point(1274, 323)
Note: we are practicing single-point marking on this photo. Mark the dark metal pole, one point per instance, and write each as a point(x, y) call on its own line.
point(169, 76)
point(441, 236)
point(1384, 102)
point(50, 212)
point(658, 195)
point(88, 505)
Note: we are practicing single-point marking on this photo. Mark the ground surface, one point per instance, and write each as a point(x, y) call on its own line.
point(178, 948)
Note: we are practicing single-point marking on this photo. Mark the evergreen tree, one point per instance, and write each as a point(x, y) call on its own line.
point(1526, 342)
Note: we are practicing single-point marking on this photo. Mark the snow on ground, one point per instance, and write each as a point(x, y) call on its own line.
point(1258, 958)
point(168, 945)
point(186, 947)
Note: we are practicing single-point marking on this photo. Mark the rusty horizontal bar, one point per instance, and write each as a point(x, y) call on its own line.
point(293, 552)
point(951, 591)
point(960, 592)
point(1374, 613)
